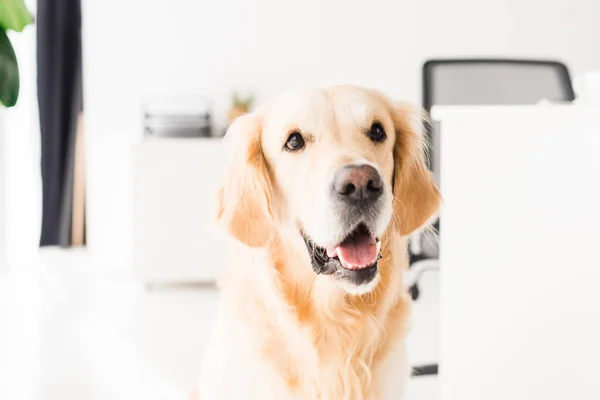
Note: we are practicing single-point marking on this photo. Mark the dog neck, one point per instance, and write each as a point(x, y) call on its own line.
point(346, 333)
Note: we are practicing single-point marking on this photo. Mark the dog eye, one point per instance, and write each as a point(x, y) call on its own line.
point(377, 134)
point(294, 142)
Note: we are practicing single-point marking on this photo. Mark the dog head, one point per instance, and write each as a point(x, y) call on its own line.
point(332, 171)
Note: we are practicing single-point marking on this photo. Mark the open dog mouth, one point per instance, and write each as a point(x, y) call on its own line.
point(354, 259)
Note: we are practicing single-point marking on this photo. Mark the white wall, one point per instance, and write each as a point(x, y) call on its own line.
point(136, 48)
point(21, 190)
point(3, 261)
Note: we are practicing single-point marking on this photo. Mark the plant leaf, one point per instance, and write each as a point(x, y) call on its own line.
point(14, 15)
point(9, 72)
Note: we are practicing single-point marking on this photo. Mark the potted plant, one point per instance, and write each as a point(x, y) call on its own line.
point(240, 106)
point(13, 16)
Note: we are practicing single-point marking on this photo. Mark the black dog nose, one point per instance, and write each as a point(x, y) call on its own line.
point(357, 184)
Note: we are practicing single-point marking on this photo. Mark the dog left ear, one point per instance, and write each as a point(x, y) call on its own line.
point(416, 196)
point(244, 200)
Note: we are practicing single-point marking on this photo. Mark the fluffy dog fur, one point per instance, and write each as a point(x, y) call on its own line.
point(282, 331)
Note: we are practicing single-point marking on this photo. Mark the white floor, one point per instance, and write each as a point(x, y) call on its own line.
point(70, 330)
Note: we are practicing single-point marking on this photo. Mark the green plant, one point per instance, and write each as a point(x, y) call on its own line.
point(243, 104)
point(14, 16)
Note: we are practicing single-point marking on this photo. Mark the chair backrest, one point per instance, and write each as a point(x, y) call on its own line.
point(495, 82)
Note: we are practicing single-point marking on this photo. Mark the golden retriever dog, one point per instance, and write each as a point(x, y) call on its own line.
point(322, 191)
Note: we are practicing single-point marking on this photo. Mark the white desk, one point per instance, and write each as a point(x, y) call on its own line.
point(520, 253)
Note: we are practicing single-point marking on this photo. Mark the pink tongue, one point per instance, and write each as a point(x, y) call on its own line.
point(357, 252)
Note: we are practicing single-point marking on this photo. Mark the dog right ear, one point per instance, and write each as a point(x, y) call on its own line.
point(244, 199)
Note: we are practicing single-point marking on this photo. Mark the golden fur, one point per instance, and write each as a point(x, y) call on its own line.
point(322, 342)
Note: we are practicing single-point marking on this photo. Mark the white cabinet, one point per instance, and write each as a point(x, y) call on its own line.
point(175, 238)
point(519, 259)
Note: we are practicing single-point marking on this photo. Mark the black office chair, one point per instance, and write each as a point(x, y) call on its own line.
point(478, 82)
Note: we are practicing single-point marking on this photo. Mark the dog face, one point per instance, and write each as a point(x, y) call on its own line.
point(336, 168)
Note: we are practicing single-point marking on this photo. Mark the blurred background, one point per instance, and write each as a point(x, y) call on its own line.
point(110, 158)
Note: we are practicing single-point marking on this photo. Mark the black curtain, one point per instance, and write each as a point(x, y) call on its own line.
point(60, 101)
